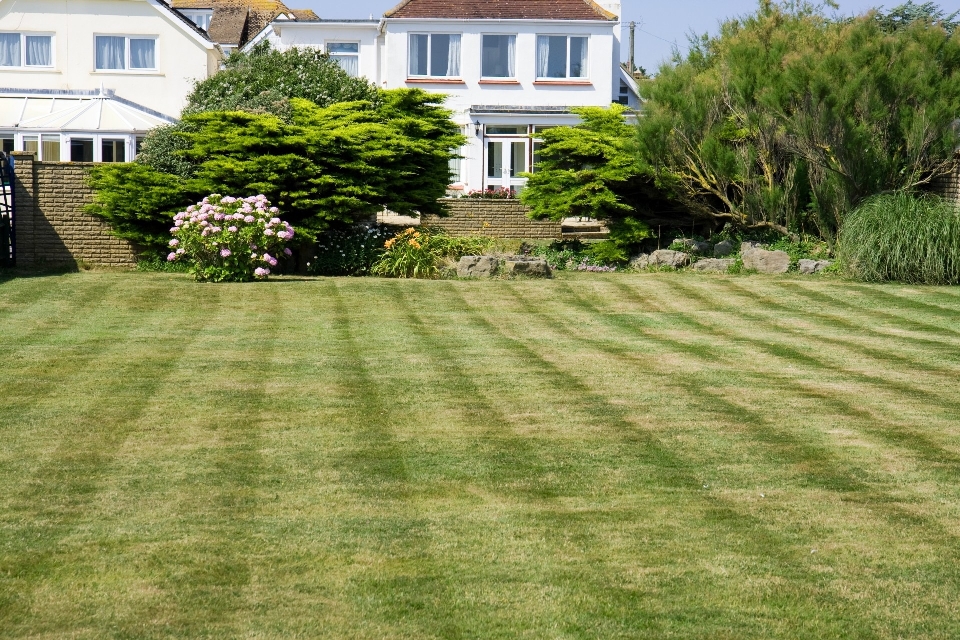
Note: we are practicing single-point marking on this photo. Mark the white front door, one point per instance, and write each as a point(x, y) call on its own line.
point(506, 160)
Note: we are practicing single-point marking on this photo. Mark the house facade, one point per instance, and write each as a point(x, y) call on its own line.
point(510, 68)
point(85, 80)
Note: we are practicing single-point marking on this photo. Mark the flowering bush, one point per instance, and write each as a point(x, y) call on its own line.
point(349, 252)
point(490, 193)
point(420, 254)
point(227, 239)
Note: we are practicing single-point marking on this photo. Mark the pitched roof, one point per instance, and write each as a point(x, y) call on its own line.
point(236, 21)
point(501, 10)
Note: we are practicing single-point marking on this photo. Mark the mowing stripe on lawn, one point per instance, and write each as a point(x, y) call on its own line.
point(916, 441)
point(59, 495)
point(799, 453)
point(672, 470)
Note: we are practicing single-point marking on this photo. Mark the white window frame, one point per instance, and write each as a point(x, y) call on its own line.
point(23, 49)
point(567, 77)
point(204, 15)
point(430, 73)
point(326, 49)
point(126, 53)
point(500, 78)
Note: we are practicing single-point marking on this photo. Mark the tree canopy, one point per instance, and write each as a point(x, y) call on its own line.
point(788, 119)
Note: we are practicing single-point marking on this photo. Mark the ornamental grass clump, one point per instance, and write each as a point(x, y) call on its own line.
point(227, 239)
point(902, 238)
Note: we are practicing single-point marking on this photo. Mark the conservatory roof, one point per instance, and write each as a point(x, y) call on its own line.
point(75, 111)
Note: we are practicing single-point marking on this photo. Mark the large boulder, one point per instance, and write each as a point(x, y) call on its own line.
point(669, 258)
point(748, 246)
point(723, 249)
point(696, 247)
point(714, 264)
point(808, 267)
point(638, 262)
point(765, 261)
point(477, 266)
point(524, 266)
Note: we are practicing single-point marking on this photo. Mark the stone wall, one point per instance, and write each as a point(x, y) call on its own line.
point(51, 227)
point(492, 218)
point(949, 186)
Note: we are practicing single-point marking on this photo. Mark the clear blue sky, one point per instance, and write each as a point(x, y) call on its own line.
point(659, 24)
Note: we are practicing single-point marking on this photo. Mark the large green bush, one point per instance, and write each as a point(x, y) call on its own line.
point(334, 164)
point(903, 238)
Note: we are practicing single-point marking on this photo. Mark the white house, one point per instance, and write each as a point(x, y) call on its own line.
point(83, 80)
point(511, 68)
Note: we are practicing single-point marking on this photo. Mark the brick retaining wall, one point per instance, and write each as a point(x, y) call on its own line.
point(492, 218)
point(51, 227)
point(949, 185)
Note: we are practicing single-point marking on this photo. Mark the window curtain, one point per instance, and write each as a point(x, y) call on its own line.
point(453, 56)
point(39, 51)
point(418, 55)
point(143, 53)
point(350, 64)
point(543, 55)
point(578, 57)
point(9, 49)
point(110, 50)
point(511, 56)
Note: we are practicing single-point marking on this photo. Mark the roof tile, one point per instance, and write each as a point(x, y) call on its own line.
point(501, 10)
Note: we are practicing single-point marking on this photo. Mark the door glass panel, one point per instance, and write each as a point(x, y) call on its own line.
point(7, 145)
point(31, 144)
point(518, 158)
point(494, 159)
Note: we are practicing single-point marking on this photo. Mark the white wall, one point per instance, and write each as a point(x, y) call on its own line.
point(526, 91)
point(315, 35)
point(182, 57)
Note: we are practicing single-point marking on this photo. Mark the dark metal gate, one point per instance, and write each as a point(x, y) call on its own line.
point(8, 239)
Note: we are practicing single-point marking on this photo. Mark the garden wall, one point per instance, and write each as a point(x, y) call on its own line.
point(51, 227)
point(949, 186)
point(492, 218)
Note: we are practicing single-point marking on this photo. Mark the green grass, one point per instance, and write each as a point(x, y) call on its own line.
point(597, 456)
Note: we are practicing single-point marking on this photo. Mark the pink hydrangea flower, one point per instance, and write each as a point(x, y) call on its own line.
point(249, 219)
point(288, 252)
point(171, 256)
point(268, 231)
point(174, 242)
point(260, 272)
point(225, 253)
point(232, 229)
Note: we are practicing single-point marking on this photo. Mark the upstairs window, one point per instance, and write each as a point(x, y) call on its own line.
point(498, 56)
point(23, 50)
point(125, 52)
point(435, 55)
point(347, 55)
point(561, 57)
point(199, 17)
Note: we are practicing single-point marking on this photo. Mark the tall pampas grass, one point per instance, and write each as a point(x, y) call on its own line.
point(904, 238)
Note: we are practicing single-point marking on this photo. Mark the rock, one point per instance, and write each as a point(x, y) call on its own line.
point(723, 248)
point(748, 246)
point(533, 267)
point(668, 258)
point(766, 261)
point(813, 266)
point(696, 247)
point(714, 264)
point(477, 266)
point(641, 261)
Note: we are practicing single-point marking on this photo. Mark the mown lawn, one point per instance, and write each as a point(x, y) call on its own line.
point(598, 456)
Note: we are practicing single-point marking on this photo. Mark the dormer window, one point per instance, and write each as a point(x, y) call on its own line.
point(560, 57)
point(199, 17)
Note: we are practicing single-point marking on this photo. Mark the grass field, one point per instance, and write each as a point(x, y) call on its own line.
point(598, 456)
